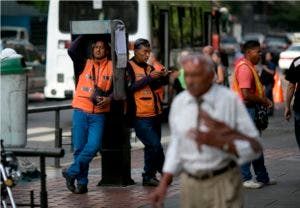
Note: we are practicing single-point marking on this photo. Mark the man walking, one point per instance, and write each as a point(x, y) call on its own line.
point(247, 85)
point(293, 89)
point(211, 132)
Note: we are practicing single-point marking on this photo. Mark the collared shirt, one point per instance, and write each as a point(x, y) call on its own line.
point(221, 104)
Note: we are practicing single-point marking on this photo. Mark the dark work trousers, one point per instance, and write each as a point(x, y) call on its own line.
point(297, 127)
point(148, 130)
point(258, 164)
point(269, 93)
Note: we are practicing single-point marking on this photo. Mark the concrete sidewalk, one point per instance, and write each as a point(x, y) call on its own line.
point(282, 161)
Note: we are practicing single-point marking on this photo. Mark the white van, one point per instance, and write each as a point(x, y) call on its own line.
point(14, 33)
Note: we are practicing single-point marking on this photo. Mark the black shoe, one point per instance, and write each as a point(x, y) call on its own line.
point(81, 189)
point(151, 182)
point(69, 180)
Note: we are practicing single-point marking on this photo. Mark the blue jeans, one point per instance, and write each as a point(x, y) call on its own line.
point(148, 130)
point(297, 127)
point(258, 164)
point(87, 136)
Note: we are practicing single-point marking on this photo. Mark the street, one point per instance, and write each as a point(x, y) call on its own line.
point(281, 155)
point(54, 38)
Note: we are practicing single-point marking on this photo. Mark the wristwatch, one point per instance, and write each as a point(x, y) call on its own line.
point(225, 147)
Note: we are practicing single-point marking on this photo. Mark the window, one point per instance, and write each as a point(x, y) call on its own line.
point(197, 26)
point(175, 32)
point(9, 34)
point(22, 35)
point(83, 10)
point(186, 21)
point(186, 26)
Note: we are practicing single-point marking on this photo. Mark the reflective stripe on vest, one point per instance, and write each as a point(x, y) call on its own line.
point(258, 86)
point(85, 86)
point(146, 100)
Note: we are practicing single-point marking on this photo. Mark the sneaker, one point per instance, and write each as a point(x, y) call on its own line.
point(69, 180)
point(252, 184)
point(151, 182)
point(81, 189)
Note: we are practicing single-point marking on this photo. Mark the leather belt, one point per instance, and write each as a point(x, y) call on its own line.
point(213, 173)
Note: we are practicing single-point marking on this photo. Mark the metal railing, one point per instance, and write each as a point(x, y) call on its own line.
point(58, 130)
point(42, 153)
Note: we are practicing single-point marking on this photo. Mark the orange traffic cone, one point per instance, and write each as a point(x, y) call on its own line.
point(277, 90)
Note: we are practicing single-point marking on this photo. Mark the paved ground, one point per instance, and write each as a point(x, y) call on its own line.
point(282, 160)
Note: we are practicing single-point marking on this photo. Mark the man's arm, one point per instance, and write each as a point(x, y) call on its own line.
point(134, 85)
point(221, 136)
point(269, 71)
point(158, 78)
point(289, 95)
point(220, 74)
point(75, 52)
point(252, 98)
point(76, 48)
point(159, 194)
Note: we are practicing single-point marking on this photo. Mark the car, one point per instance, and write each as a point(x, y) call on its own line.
point(27, 50)
point(286, 57)
point(33, 60)
point(254, 36)
point(1, 45)
point(14, 33)
point(17, 38)
point(229, 45)
point(293, 37)
point(276, 44)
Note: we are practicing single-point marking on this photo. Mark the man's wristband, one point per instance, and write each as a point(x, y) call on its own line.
point(225, 147)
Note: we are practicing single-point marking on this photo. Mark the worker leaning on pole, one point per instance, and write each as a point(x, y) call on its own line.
point(145, 106)
point(91, 103)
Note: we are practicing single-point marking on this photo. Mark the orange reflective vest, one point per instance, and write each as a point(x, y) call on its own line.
point(259, 91)
point(160, 91)
point(146, 100)
point(85, 87)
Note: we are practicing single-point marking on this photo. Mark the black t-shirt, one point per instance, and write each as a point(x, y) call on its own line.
point(293, 76)
point(265, 77)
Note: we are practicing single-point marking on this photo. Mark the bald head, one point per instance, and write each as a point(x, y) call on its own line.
point(198, 72)
point(198, 59)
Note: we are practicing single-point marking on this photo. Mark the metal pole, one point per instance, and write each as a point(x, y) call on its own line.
point(57, 137)
point(31, 199)
point(43, 194)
